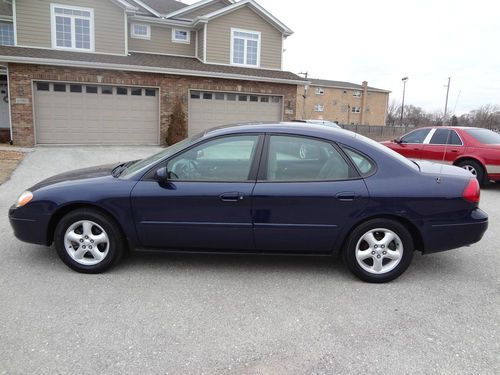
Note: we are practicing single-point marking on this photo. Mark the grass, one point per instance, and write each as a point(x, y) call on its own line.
point(9, 160)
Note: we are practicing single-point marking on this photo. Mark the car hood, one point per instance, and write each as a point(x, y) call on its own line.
point(441, 169)
point(77, 174)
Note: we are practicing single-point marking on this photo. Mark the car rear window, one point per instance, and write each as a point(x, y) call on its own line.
point(485, 136)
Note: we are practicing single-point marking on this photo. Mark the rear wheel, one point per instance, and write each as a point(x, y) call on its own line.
point(475, 168)
point(88, 241)
point(379, 250)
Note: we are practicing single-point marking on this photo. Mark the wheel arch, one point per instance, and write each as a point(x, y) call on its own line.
point(418, 240)
point(472, 158)
point(62, 211)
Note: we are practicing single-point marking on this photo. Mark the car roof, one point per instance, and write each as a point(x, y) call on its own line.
point(295, 128)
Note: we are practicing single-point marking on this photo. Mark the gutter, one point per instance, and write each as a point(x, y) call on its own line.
point(143, 69)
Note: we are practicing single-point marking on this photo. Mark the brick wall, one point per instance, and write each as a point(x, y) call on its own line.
point(21, 77)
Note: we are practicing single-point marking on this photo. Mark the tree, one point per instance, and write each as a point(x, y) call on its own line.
point(177, 128)
point(393, 114)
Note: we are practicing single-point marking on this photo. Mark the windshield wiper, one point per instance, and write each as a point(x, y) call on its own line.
point(117, 171)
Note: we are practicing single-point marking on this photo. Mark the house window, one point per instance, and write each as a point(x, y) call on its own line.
point(180, 36)
point(356, 94)
point(355, 109)
point(72, 28)
point(320, 91)
point(6, 34)
point(319, 108)
point(245, 47)
point(140, 31)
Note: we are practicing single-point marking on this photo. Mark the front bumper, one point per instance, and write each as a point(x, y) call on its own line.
point(447, 236)
point(29, 229)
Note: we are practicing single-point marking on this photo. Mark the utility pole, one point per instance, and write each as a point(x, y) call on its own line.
point(404, 79)
point(446, 103)
point(304, 96)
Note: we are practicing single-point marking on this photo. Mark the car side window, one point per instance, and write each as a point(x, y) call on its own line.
point(440, 137)
point(455, 139)
point(304, 159)
point(417, 136)
point(222, 159)
point(365, 166)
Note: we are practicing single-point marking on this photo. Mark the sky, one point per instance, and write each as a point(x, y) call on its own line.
point(382, 41)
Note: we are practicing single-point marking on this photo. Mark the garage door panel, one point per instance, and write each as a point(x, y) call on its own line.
point(95, 118)
point(206, 112)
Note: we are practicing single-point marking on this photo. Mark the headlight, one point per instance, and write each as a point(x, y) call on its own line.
point(24, 198)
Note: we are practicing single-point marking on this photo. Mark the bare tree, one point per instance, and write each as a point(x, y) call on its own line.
point(393, 113)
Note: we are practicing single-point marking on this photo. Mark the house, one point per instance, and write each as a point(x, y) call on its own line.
point(110, 71)
point(343, 102)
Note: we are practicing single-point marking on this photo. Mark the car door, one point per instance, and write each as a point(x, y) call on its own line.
point(411, 144)
point(444, 146)
point(302, 201)
point(206, 201)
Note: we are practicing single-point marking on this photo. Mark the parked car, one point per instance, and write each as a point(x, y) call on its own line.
point(237, 189)
point(474, 149)
point(321, 122)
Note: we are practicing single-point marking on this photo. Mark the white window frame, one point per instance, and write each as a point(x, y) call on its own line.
point(175, 40)
point(357, 94)
point(53, 27)
point(319, 108)
point(320, 91)
point(231, 56)
point(355, 110)
point(140, 36)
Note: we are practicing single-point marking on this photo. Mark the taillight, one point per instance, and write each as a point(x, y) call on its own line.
point(472, 191)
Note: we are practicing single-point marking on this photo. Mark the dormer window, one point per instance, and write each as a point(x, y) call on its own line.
point(72, 27)
point(140, 31)
point(245, 47)
point(180, 36)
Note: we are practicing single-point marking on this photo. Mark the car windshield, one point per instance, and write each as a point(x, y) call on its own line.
point(169, 151)
point(485, 136)
point(388, 151)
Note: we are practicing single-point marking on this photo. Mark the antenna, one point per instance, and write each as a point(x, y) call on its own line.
point(456, 102)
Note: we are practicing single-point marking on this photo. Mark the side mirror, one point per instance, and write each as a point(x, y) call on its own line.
point(161, 174)
point(397, 140)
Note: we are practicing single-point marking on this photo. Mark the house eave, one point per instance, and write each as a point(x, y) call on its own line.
point(144, 69)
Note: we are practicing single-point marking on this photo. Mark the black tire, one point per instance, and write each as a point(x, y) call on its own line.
point(357, 235)
point(113, 248)
point(476, 166)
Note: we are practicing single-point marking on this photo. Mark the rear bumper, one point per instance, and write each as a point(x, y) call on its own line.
point(447, 236)
point(32, 230)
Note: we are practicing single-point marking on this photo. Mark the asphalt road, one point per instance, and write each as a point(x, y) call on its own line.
point(196, 314)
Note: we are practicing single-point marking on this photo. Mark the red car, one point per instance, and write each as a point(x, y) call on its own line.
point(474, 149)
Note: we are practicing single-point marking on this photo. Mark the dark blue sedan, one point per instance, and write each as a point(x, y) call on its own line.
point(281, 189)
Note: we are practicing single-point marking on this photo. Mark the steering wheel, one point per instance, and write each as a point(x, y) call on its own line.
point(186, 169)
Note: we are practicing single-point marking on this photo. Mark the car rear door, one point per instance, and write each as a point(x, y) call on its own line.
point(206, 202)
point(444, 146)
point(302, 201)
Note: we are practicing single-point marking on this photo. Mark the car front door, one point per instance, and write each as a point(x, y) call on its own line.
point(305, 195)
point(206, 201)
point(444, 146)
point(411, 144)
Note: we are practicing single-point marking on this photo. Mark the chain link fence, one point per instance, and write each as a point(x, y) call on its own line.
point(379, 133)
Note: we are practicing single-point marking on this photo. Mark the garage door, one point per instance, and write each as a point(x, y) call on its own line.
point(209, 109)
point(95, 114)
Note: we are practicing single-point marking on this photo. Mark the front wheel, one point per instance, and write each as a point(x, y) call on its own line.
point(379, 250)
point(88, 241)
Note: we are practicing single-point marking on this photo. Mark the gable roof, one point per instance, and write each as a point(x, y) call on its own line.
point(164, 6)
point(341, 85)
point(144, 62)
point(256, 8)
point(189, 8)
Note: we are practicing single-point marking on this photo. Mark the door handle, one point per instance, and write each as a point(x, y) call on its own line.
point(231, 197)
point(347, 196)
point(416, 149)
point(454, 150)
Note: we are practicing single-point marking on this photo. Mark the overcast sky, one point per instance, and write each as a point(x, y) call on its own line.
point(385, 40)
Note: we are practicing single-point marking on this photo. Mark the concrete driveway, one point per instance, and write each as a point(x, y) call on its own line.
point(194, 314)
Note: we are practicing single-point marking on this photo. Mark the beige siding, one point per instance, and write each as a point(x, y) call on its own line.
point(161, 42)
point(33, 23)
point(219, 37)
point(204, 10)
point(201, 41)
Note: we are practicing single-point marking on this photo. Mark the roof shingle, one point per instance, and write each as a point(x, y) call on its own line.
point(165, 6)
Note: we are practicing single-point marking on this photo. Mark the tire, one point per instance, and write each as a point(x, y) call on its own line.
point(379, 250)
point(475, 168)
point(88, 241)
